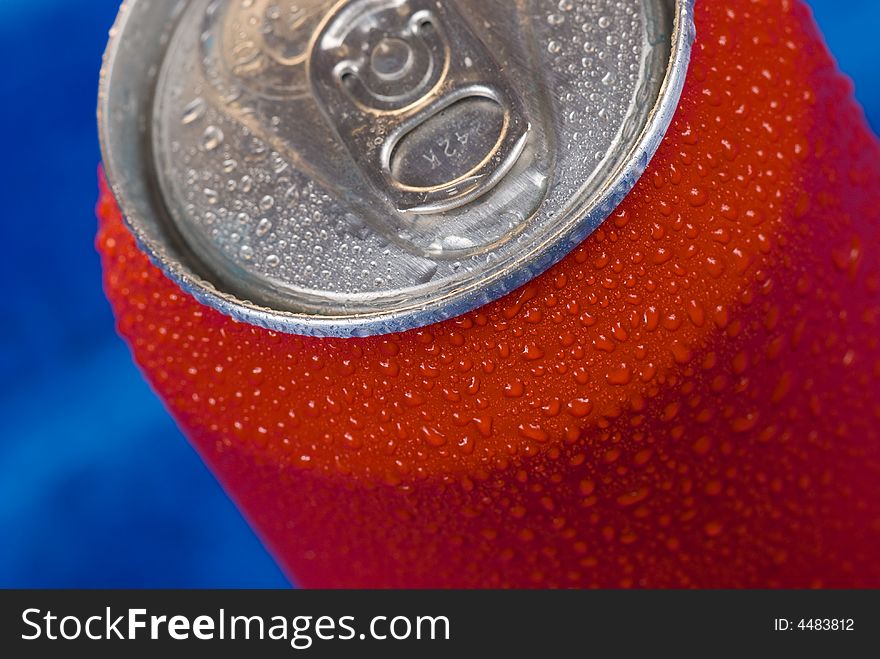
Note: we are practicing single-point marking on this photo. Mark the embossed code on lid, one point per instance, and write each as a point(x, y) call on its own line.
point(356, 167)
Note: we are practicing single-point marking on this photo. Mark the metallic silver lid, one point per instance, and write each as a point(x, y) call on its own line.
point(358, 167)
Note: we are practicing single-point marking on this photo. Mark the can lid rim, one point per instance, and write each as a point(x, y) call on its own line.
point(443, 307)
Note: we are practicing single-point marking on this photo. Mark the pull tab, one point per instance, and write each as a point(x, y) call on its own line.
point(419, 102)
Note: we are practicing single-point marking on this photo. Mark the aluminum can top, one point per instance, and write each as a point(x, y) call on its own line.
point(359, 167)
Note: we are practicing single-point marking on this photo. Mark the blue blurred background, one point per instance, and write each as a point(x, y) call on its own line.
point(97, 486)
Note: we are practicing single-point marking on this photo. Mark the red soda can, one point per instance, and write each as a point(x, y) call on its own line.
point(423, 286)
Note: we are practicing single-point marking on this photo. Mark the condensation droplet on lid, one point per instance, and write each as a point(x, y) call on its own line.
point(263, 227)
point(212, 138)
point(193, 111)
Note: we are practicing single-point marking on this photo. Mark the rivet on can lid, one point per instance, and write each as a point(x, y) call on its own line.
point(370, 166)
